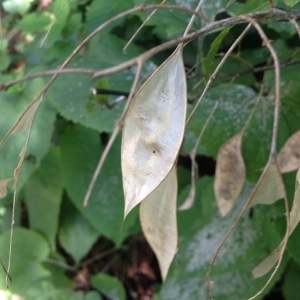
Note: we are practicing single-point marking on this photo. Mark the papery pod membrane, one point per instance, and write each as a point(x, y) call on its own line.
point(153, 131)
point(289, 156)
point(26, 118)
point(189, 201)
point(24, 121)
point(3, 187)
point(269, 262)
point(18, 168)
point(159, 222)
point(230, 174)
point(270, 187)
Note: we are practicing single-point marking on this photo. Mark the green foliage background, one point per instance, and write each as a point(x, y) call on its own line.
point(69, 133)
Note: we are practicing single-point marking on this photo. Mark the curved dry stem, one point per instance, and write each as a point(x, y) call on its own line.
point(188, 203)
point(296, 25)
point(270, 15)
point(272, 157)
point(114, 135)
point(193, 18)
point(16, 180)
point(141, 26)
point(53, 22)
point(267, 43)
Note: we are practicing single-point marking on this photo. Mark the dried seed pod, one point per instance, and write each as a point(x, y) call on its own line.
point(159, 223)
point(153, 131)
point(230, 174)
point(289, 156)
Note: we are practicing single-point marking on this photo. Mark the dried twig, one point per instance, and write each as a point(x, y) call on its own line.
point(269, 15)
point(113, 137)
point(266, 43)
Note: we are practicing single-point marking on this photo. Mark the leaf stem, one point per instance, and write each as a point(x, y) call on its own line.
point(113, 137)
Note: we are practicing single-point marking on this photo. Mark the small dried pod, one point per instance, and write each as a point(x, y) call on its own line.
point(3, 187)
point(230, 174)
point(270, 187)
point(289, 156)
point(153, 131)
point(159, 222)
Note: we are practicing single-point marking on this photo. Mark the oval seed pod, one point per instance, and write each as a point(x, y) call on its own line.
point(230, 174)
point(153, 131)
point(289, 156)
point(159, 222)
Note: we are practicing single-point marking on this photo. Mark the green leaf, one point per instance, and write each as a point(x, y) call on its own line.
point(109, 286)
point(71, 94)
point(35, 22)
point(211, 8)
point(76, 235)
point(80, 152)
point(102, 10)
point(290, 287)
point(209, 60)
point(291, 2)
point(4, 60)
point(249, 6)
point(92, 295)
point(29, 250)
point(43, 195)
point(201, 230)
point(60, 11)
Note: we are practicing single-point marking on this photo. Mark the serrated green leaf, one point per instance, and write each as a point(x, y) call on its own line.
point(30, 249)
point(71, 93)
point(101, 11)
point(35, 22)
point(80, 151)
point(43, 195)
point(75, 235)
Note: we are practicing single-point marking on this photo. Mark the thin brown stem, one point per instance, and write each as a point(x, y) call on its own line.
point(273, 151)
point(221, 63)
point(296, 25)
point(267, 43)
point(273, 14)
point(113, 137)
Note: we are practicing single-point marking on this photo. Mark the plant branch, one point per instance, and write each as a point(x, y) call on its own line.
point(269, 15)
point(113, 137)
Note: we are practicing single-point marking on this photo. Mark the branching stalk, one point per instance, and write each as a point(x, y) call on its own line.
point(113, 137)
